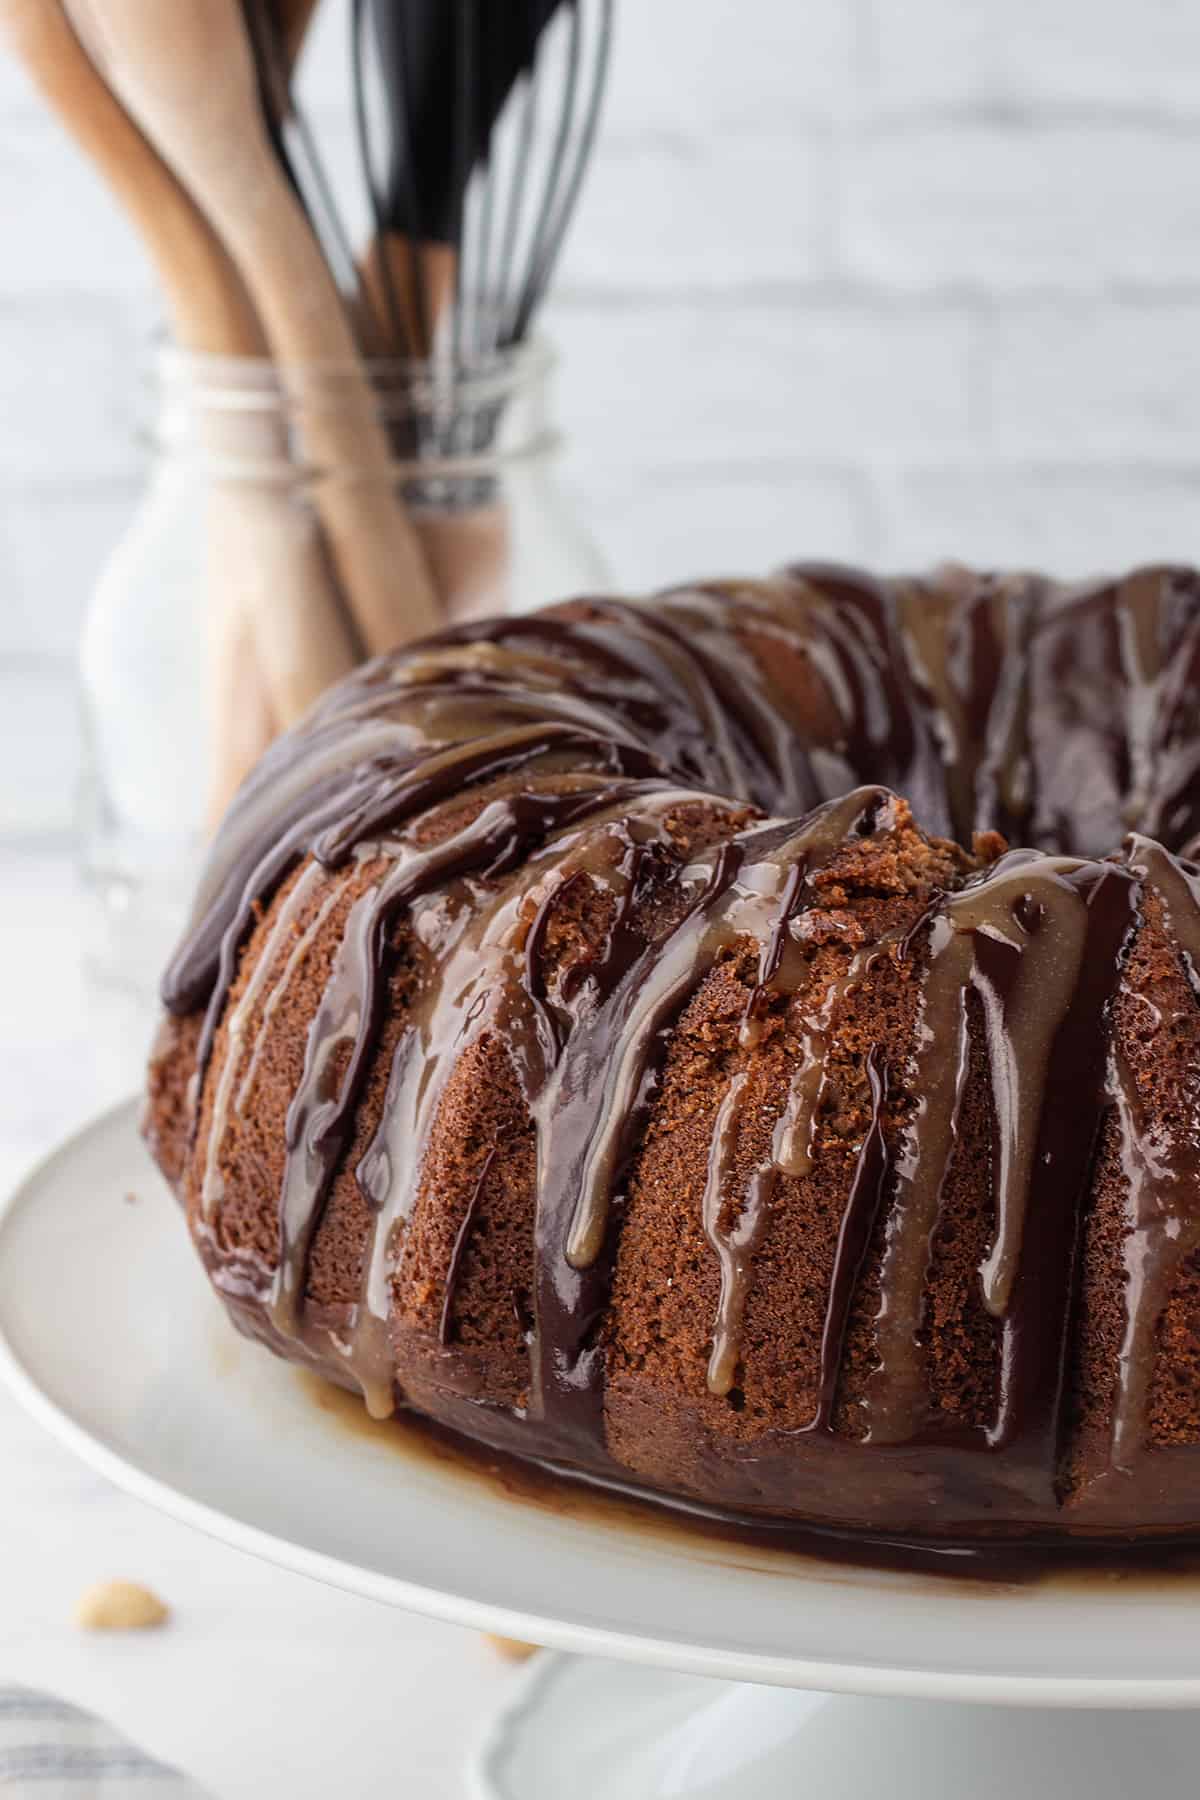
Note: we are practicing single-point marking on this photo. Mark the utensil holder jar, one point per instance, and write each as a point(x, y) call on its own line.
point(218, 573)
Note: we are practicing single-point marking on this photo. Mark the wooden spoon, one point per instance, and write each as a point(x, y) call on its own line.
point(187, 75)
point(209, 304)
point(298, 636)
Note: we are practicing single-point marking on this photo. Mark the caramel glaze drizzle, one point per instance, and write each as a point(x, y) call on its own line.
point(591, 1114)
point(1042, 941)
point(1063, 715)
point(1162, 1179)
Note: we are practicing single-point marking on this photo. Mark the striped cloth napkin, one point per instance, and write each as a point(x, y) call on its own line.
point(51, 1750)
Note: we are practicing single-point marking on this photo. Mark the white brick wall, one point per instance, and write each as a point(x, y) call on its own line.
point(852, 277)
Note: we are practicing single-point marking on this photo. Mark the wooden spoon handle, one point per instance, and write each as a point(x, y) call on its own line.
point(403, 322)
point(247, 718)
point(294, 618)
point(470, 553)
point(268, 544)
point(161, 62)
point(209, 305)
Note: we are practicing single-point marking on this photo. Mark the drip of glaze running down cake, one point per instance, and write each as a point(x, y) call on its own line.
point(625, 1035)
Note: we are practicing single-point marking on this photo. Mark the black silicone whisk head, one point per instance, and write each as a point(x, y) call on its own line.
point(487, 110)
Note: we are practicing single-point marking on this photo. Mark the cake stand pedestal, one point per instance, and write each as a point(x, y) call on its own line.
point(605, 1731)
point(700, 1670)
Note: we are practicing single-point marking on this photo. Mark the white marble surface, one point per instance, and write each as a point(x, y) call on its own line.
point(263, 1683)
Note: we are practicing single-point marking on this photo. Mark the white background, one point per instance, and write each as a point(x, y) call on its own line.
point(890, 279)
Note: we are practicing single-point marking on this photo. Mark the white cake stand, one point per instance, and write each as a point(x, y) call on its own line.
point(729, 1671)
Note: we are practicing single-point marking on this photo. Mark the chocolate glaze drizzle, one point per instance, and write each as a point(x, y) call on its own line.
point(1063, 717)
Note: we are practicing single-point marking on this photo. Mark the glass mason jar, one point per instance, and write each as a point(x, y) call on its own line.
point(229, 541)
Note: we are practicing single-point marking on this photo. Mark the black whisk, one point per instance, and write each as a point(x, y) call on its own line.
point(488, 110)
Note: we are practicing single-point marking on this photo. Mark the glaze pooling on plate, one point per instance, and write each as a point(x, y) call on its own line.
point(885, 1092)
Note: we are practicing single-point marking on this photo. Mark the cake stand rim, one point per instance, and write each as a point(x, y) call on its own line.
point(887, 1681)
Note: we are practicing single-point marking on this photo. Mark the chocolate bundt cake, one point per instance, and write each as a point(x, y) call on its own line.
point(623, 1035)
